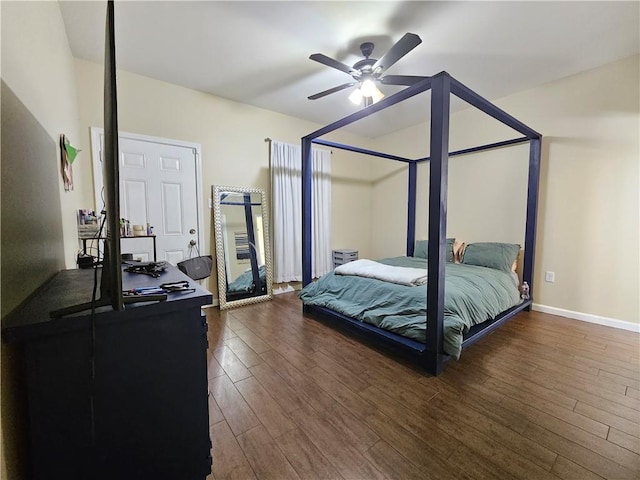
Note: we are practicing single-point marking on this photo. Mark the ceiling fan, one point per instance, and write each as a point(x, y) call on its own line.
point(369, 71)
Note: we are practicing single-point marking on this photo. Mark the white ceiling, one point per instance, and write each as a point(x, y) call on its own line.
point(258, 52)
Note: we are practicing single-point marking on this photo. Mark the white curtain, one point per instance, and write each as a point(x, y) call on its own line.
point(286, 200)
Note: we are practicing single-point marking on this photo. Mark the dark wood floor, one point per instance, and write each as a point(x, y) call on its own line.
point(542, 397)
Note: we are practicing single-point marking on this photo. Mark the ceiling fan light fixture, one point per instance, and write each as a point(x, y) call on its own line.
point(356, 96)
point(371, 91)
point(368, 88)
point(377, 95)
point(368, 91)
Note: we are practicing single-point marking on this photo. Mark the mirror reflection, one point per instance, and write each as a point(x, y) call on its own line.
point(242, 245)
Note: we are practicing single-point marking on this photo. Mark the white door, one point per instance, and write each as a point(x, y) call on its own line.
point(158, 186)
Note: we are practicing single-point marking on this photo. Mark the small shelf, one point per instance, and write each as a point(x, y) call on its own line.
point(155, 259)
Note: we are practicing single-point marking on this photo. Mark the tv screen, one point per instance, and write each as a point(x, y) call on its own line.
point(111, 282)
point(111, 277)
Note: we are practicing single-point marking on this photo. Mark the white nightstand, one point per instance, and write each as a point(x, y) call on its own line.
point(343, 256)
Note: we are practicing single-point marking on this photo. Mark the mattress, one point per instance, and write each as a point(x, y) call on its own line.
point(472, 295)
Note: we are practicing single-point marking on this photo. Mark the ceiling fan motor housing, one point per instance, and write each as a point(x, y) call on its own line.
point(364, 67)
point(366, 48)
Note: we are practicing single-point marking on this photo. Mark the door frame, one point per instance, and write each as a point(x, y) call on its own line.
point(97, 170)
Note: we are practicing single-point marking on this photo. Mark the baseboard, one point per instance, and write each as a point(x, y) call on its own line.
point(587, 317)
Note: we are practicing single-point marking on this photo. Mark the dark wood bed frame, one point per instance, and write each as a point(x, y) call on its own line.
point(430, 354)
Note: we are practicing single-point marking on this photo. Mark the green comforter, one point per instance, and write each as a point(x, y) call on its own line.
point(244, 282)
point(471, 295)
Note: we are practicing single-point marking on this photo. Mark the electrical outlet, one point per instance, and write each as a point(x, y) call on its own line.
point(210, 204)
point(549, 277)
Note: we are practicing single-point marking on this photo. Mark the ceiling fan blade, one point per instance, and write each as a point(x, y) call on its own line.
point(403, 46)
point(332, 90)
point(407, 80)
point(330, 62)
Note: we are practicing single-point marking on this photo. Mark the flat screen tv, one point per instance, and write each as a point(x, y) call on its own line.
point(111, 278)
point(111, 284)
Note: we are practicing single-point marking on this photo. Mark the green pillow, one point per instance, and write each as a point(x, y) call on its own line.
point(499, 256)
point(421, 248)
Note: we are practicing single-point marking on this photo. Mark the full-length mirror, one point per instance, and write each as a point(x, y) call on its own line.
point(243, 250)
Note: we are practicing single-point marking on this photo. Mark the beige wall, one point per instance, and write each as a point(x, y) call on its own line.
point(588, 223)
point(503, 172)
point(232, 137)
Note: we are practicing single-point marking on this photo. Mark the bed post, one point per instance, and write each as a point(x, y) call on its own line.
point(411, 208)
point(532, 209)
point(248, 218)
point(438, 178)
point(307, 216)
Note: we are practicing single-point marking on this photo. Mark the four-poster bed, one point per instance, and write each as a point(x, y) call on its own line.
point(431, 353)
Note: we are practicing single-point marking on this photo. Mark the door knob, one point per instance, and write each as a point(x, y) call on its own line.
point(192, 231)
point(192, 243)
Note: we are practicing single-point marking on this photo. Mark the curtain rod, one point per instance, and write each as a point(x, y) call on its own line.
point(270, 140)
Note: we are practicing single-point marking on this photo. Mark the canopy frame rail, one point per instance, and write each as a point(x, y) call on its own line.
point(442, 86)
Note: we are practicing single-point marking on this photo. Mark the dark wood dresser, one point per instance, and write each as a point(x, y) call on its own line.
point(143, 413)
